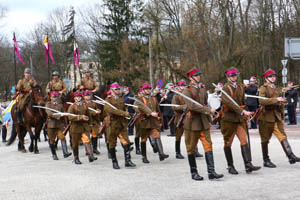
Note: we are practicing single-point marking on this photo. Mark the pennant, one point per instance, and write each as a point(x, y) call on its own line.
point(48, 51)
point(76, 54)
point(16, 49)
point(6, 114)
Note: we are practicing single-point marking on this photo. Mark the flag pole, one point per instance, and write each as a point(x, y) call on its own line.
point(15, 62)
point(48, 63)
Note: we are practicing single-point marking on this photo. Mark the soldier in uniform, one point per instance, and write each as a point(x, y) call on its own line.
point(55, 126)
point(177, 99)
point(234, 121)
point(88, 83)
point(94, 120)
point(271, 119)
point(118, 125)
point(23, 88)
point(150, 122)
point(197, 125)
point(138, 128)
point(56, 85)
point(80, 127)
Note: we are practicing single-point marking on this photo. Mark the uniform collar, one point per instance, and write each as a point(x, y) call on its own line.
point(271, 85)
point(54, 102)
point(78, 103)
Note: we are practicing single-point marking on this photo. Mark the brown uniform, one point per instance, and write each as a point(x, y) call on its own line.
point(271, 119)
point(23, 87)
point(80, 129)
point(197, 120)
point(233, 122)
point(94, 120)
point(148, 125)
point(88, 83)
point(118, 122)
point(55, 125)
point(178, 112)
point(56, 86)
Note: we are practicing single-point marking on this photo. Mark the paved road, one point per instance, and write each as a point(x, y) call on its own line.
point(30, 176)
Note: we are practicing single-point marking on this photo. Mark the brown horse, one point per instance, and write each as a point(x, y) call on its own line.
point(32, 118)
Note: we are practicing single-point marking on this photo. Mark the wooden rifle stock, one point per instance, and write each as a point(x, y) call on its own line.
point(180, 121)
point(171, 120)
point(133, 120)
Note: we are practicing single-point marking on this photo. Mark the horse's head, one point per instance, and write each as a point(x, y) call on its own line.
point(37, 95)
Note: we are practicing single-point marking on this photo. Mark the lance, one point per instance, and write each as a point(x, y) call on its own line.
point(257, 97)
point(99, 102)
point(127, 104)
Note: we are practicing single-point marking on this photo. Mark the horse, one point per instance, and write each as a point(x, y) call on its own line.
point(32, 118)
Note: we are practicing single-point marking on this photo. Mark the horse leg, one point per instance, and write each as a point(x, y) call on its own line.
point(32, 138)
point(37, 132)
point(21, 139)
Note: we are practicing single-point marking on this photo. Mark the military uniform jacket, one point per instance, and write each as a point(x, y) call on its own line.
point(197, 117)
point(56, 86)
point(54, 121)
point(116, 117)
point(272, 109)
point(233, 113)
point(25, 85)
point(78, 125)
point(88, 83)
point(146, 119)
point(178, 109)
point(94, 116)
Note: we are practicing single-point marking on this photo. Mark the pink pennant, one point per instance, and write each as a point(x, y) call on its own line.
point(17, 50)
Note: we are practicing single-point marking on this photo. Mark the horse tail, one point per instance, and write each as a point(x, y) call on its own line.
point(13, 135)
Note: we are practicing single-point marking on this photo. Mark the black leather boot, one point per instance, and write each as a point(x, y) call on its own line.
point(95, 145)
point(65, 149)
point(90, 152)
point(197, 154)
point(247, 159)
point(53, 152)
point(137, 146)
point(265, 152)
point(211, 166)
point(114, 158)
point(193, 168)
point(161, 153)
point(288, 151)
point(144, 152)
point(177, 149)
point(76, 157)
point(229, 159)
point(128, 162)
point(108, 151)
point(153, 144)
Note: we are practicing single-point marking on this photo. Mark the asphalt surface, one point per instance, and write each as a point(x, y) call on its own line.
point(37, 176)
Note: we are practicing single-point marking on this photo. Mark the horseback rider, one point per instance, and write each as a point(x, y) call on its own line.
point(56, 85)
point(88, 83)
point(24, 88)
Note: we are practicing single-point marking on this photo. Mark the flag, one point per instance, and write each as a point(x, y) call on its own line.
point(48, 51)
point(76, 54)
point(6, 114)
point(16, 48)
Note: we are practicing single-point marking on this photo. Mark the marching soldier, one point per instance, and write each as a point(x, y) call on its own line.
point(197, 125)
point(55, 126)
point(177, 99)
point(56, 85)
point(118, 125)
point(94, 120)
point(150, 122)
point(80, 128)
point(234, 123)
point(272, 119)
point(88, 83)
point(24, 87)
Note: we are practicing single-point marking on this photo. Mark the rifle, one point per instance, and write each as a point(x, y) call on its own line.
point(133, 120)
point(171, 120)
point(180, 121)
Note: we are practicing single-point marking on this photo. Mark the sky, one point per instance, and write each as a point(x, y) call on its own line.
point(22, 15)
